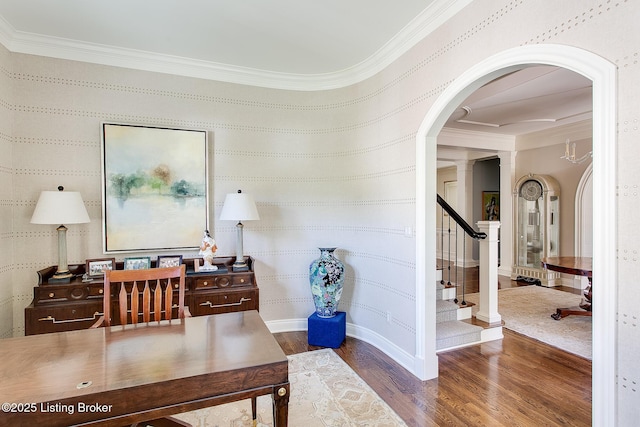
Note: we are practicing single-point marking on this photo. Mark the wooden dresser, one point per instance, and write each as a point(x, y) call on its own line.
point(76, 305)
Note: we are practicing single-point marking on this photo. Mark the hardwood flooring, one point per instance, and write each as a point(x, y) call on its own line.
point(515, 381)
point(469, 276)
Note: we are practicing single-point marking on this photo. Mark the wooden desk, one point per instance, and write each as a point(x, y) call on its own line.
point(126, 374)
point(579, 266)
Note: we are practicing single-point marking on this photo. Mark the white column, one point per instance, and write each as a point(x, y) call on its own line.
point(464, 175)
point(507, 181)
point(488, 307)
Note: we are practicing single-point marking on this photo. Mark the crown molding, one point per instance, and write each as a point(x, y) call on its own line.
point(476, 140)
point(7, 33)
point(437, 13)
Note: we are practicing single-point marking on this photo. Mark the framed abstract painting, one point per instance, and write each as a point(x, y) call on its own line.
point(154, 188)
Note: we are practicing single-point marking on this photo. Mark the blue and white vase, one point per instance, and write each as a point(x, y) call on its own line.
point(326, 275)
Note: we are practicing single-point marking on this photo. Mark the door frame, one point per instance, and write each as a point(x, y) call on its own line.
point(603, 75)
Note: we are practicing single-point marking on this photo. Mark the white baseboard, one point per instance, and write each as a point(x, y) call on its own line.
point(571, 281)
point(492, 334)
point(504, 271)
point(287, 325)
point(378, 341)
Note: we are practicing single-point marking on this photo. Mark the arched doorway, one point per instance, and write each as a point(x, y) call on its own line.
point(603, 75)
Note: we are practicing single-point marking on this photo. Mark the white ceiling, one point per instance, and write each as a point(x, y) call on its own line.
point(530, 100)
point(298, 40)
point(287, 36)
point(289, 44)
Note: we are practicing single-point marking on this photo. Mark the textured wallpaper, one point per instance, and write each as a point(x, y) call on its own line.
point(326, 168)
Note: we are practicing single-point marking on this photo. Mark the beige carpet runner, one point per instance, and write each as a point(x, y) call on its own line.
point(527, 310)
point(325, 391)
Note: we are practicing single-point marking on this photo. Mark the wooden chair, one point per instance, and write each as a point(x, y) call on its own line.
point(145, 295)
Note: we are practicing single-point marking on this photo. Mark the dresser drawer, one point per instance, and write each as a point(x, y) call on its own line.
point(63, 317)
point(68, 292)
point(212, 282)
point(222, 281)
point(242, 279)
point(224, 302)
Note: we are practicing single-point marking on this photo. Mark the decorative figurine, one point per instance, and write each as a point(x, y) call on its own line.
point(208, 249)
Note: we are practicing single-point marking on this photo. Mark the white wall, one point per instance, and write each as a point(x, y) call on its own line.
point(335, 167)
point(6, 195)
point(547, 161)
point(319, 177)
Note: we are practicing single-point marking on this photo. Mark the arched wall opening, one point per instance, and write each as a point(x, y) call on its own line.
point(584, 214)
point(603, 75)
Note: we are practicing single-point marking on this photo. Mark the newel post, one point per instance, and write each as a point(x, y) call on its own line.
point(488, 309)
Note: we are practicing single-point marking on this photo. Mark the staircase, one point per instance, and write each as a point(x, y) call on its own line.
point(451, 329)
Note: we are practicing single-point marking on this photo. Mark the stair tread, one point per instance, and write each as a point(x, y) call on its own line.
point(445, 305)
point(451, 332)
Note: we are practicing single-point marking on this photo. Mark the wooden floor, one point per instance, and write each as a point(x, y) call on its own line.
point(515, 381)
point(469, 277)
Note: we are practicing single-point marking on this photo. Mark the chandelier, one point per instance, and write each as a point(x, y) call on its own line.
point(570, 153)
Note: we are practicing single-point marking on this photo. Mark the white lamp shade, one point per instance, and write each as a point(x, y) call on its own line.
point(60, 207)
point(239, 207)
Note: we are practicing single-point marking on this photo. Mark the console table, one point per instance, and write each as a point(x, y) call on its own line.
point(58, 307)
point(579, 266)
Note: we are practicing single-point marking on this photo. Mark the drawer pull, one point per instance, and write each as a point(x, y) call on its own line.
point(54, 321)
point(231, 304)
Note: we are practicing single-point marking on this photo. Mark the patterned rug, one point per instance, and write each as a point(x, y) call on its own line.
point(325, 391)
point(527, 310)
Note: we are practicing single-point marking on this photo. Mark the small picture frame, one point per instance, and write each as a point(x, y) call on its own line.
point(491, 206)
point(137, 263)
point(96, 267)
point(169, 261)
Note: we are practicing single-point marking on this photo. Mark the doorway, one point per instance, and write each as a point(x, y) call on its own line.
point(602, 74)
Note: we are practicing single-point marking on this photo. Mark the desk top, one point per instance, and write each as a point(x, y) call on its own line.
point(580, 266)
point(225, 352)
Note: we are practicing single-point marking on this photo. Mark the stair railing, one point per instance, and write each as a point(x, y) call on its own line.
point(458, 223)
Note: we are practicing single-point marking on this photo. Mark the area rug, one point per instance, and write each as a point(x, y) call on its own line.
point(325, 391)
point(527, 310)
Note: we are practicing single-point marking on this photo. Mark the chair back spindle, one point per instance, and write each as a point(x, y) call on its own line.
point(144, 294)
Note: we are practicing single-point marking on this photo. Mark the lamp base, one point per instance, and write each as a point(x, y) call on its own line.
point(240, 266)
point(61, 277)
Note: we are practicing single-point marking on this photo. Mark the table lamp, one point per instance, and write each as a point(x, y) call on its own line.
point(239, 207)
point(60, 207)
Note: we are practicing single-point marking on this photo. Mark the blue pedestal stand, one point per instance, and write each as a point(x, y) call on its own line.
point(327, 332)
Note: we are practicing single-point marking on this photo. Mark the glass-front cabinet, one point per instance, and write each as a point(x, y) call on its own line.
point(536, 204)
